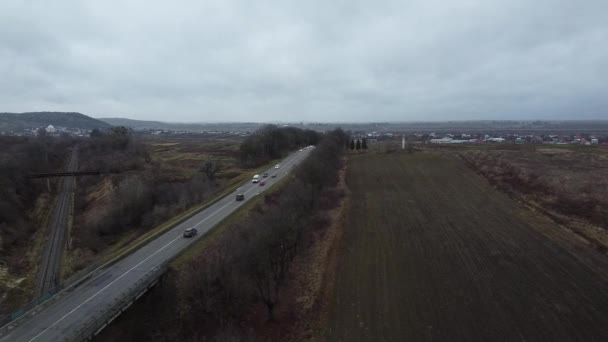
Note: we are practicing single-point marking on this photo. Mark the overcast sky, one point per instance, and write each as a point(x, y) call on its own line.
point(306, 60)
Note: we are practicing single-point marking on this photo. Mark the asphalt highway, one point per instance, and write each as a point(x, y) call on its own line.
point(64, 318)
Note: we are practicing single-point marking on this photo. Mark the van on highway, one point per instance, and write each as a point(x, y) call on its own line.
point(240, 197)
point(256, 179)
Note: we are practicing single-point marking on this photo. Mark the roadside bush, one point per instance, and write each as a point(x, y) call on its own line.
point(581, 205)
point(588, 200)
point(272, 142)
point(20, 156)
point(139, 200)
point(218, 288)
point(140, 203)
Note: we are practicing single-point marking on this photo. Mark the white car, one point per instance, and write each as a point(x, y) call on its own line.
point(255, 179)
point(277, 166)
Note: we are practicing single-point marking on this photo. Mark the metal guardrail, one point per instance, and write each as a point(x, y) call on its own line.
point(10, 321)
point(111, 311)
point(100, 321)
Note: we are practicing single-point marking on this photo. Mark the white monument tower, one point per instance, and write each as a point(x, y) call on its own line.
point(403, 142)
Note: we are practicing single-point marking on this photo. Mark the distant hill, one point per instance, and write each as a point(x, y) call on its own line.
point(189, 127)
point(20, 121)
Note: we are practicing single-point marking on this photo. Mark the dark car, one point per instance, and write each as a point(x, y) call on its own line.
point(274, 176)
point(262, 183)
point(240, 197)
point(190, 232)
point(265, 175)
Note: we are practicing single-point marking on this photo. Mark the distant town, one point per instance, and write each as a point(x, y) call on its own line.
point(49, 130)
point(483, 138)
point(581, 132)
point(373, 136)
point(57, 131)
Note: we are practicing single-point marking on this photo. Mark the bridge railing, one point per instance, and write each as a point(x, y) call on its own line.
point(114, 309)
point(32, 308)
point(11, 320)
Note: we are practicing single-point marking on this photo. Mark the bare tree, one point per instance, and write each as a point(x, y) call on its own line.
point(211, 168)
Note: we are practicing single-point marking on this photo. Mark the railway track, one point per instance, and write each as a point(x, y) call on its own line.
point(50, 266)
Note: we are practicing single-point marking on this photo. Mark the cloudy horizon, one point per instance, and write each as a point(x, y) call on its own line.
point(347, 61)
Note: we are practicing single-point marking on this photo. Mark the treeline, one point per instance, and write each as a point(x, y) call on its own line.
point(209, 297)
point(113, 150)
point(19, 195)
point(137, 202)
point(272, 142)
point(358, 144)
point(140, 196)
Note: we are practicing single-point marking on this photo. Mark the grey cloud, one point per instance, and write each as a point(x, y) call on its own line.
point(306, 60)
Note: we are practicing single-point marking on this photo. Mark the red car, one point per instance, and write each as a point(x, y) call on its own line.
point(262, 183)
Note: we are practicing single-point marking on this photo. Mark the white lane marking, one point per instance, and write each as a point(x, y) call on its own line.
point(122, 275)
point(210, 215)
point(103, 289)
point(286, 165)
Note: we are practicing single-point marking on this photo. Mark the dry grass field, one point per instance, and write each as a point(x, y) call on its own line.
point(184, 156)
point(175, 159)
point(431, 252)
point(567, 182)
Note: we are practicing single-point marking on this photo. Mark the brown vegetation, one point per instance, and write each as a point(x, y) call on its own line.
point(272, 142)
point(312, 277)
point(22, 204)
point(213, 295)
point(18, 158)
point(158, 179)
point(570, 182)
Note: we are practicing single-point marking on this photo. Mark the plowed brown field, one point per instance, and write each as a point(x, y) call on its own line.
point(431, 252)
